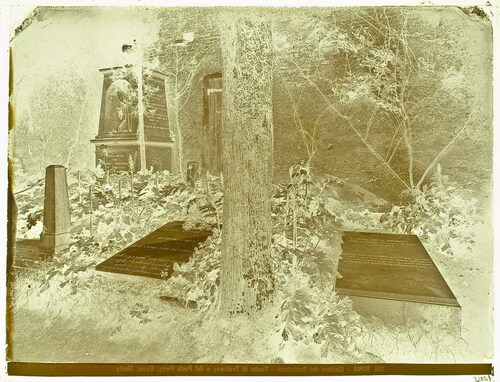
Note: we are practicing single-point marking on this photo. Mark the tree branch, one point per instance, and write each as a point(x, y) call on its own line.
point(395, 149)
point(296, 117)
point(436, 159)
point(370, 121)
point(345, 118)
point(416, 104)
point(392, 141)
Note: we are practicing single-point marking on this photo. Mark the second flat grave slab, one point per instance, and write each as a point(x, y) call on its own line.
point(155, 254)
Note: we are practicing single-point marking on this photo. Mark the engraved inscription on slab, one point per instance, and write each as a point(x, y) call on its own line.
point(389, 266)
point(155, 254)
point(156, 116)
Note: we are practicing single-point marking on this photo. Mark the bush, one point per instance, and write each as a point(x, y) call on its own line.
point(196, 282)
point(108, 213)
point(305, 252)
point(439, 215)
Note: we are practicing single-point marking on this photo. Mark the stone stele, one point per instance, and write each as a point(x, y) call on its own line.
point(56, 211)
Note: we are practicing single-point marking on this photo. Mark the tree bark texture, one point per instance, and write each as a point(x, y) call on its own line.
point(247, 153)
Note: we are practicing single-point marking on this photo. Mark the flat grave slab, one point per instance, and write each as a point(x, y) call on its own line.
point(157, 252)
point(393, 277)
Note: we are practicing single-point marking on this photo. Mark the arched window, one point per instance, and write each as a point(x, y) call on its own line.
point(117, 110)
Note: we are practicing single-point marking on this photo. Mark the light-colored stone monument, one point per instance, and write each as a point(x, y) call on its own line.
point(56, 212)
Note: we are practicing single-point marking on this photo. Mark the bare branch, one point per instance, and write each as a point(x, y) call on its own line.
point(436, 159)
point(395, 149)
point(296, 117)
point(392, 142)
point(428, 96)
point(332, 107)
point(370, 121)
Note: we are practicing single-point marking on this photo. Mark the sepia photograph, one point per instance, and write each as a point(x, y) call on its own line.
point(223, 190)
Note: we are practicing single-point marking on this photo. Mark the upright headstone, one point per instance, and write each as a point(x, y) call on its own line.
point(56, 213)
point(119, 137)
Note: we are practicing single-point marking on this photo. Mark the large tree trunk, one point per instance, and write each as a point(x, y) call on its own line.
point(247, 153)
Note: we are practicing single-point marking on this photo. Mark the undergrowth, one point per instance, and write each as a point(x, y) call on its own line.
point(306, 321)
point(306, 248)
point(439, 215)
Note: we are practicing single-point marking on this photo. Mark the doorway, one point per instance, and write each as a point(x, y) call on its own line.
point(212, 148)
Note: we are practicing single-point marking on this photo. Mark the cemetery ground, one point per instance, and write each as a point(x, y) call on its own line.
point(63, 310)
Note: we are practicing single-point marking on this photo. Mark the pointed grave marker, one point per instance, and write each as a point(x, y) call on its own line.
point(56, 212)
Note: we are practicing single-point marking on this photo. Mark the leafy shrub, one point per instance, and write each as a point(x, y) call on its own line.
point(123, 208)
point(439, 215)
point(197, 281)
point(29, 200)
point(310, 309)
point(108, 213)
point(69, 271)
point(205, 205)
point(305, 252)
